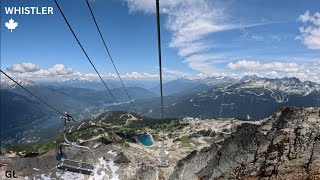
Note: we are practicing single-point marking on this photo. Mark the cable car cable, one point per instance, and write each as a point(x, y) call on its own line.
point(32, 93)
point(107, 49)
point(75, 36)
point(159, 57)
point(163, 155)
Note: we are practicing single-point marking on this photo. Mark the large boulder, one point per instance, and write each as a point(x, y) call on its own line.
point(121, 158)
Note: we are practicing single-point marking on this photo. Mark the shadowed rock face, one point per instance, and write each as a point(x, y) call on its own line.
point(146, 174)
point(121, 158)
point(286, 145)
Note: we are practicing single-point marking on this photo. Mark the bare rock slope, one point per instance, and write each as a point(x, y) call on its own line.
point(284, 146)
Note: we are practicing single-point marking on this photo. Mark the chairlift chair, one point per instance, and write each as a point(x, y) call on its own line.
point(72, 161)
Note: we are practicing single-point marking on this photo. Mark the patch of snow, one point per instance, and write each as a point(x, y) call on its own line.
point(45, 177)
point(113, 169)
point(66, 175)
point(96, 145)
point(112, 153)
point(102, 166)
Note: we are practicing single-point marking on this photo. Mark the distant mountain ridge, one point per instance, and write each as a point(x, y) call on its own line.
point(251, 97)
point(10, 84)
point(98, 85)
point(187, 86)
point(289, 85)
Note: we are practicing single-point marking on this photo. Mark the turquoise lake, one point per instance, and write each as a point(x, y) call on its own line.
point(145, 139)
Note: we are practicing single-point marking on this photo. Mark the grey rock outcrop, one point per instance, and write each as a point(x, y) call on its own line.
point(284, 146)
point(121, 158)
point(146, 174)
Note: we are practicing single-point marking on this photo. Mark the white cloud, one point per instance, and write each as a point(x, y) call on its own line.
point(174, 72)
point(202, 62)
point(314, 19)
point(23, 67)
point(28, 68)
point(310, 33)
point(244, 64)
point(206, 63)
point(265, 38)
point(306, 71)
point(291, 67)
point(274, 73)
point(137, 75)
point(191, 22)
point(33, 72)
point(61, 72)
point(60, 69)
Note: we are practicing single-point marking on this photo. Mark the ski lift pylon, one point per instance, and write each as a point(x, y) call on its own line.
point(69, 162)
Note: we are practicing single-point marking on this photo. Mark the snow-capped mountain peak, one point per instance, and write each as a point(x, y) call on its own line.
point(24, 82)
point(290, 85)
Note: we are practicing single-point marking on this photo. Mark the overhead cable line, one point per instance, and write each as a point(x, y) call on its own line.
point(75, 36)
point(163, 155)
point(32, 93)
point(159, 57)
point(107, 49)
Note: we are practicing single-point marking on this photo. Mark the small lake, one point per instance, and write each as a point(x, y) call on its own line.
point(145, 139)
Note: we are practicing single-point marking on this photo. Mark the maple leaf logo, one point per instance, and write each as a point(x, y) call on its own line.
point(11, 24)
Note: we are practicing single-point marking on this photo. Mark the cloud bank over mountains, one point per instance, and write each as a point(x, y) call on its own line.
point(60, 72)
point(23, 68)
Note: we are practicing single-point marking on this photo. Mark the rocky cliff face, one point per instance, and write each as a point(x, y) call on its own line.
point(284, 146)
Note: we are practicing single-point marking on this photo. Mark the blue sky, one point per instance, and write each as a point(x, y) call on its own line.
point(200, 38)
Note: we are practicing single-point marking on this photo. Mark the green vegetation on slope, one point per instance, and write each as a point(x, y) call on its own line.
point(109, 127)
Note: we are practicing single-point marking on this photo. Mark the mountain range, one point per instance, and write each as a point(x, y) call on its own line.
point(249, 98)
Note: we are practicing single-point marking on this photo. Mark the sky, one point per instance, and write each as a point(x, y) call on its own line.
point(200, 38)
